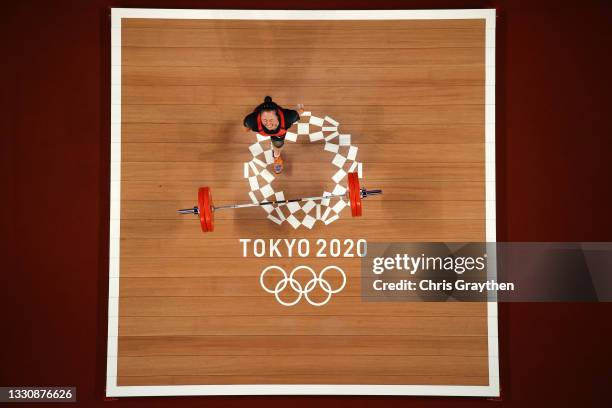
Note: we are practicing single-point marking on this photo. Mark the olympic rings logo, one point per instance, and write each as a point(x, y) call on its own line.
point(316, 280)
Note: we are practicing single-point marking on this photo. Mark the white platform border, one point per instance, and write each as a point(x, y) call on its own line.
point(112, 389)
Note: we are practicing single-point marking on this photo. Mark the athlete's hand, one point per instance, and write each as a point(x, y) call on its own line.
point(300, 108)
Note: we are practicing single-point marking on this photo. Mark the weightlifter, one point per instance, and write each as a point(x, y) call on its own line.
point(270, 119)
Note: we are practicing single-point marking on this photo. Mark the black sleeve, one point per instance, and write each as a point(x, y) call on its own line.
point(250, 121)
point(291, 116)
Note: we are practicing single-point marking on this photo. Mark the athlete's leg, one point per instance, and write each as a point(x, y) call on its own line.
point(277, 150)
point(277, 147)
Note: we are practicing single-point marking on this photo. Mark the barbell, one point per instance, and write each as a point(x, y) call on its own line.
point(206, 209)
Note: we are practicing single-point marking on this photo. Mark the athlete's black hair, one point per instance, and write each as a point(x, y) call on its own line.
point(267, 105)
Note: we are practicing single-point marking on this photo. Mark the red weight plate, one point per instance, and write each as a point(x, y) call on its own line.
point(351, 192)
point(354, 194)
point(211, 213)
point(358, 205)
point(207, 219)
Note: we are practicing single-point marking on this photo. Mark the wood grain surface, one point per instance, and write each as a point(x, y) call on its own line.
point(191, 311)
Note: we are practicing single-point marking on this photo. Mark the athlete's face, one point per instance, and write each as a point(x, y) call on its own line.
point(269, 120)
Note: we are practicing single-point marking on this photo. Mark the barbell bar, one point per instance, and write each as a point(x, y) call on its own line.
point(206, 208)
